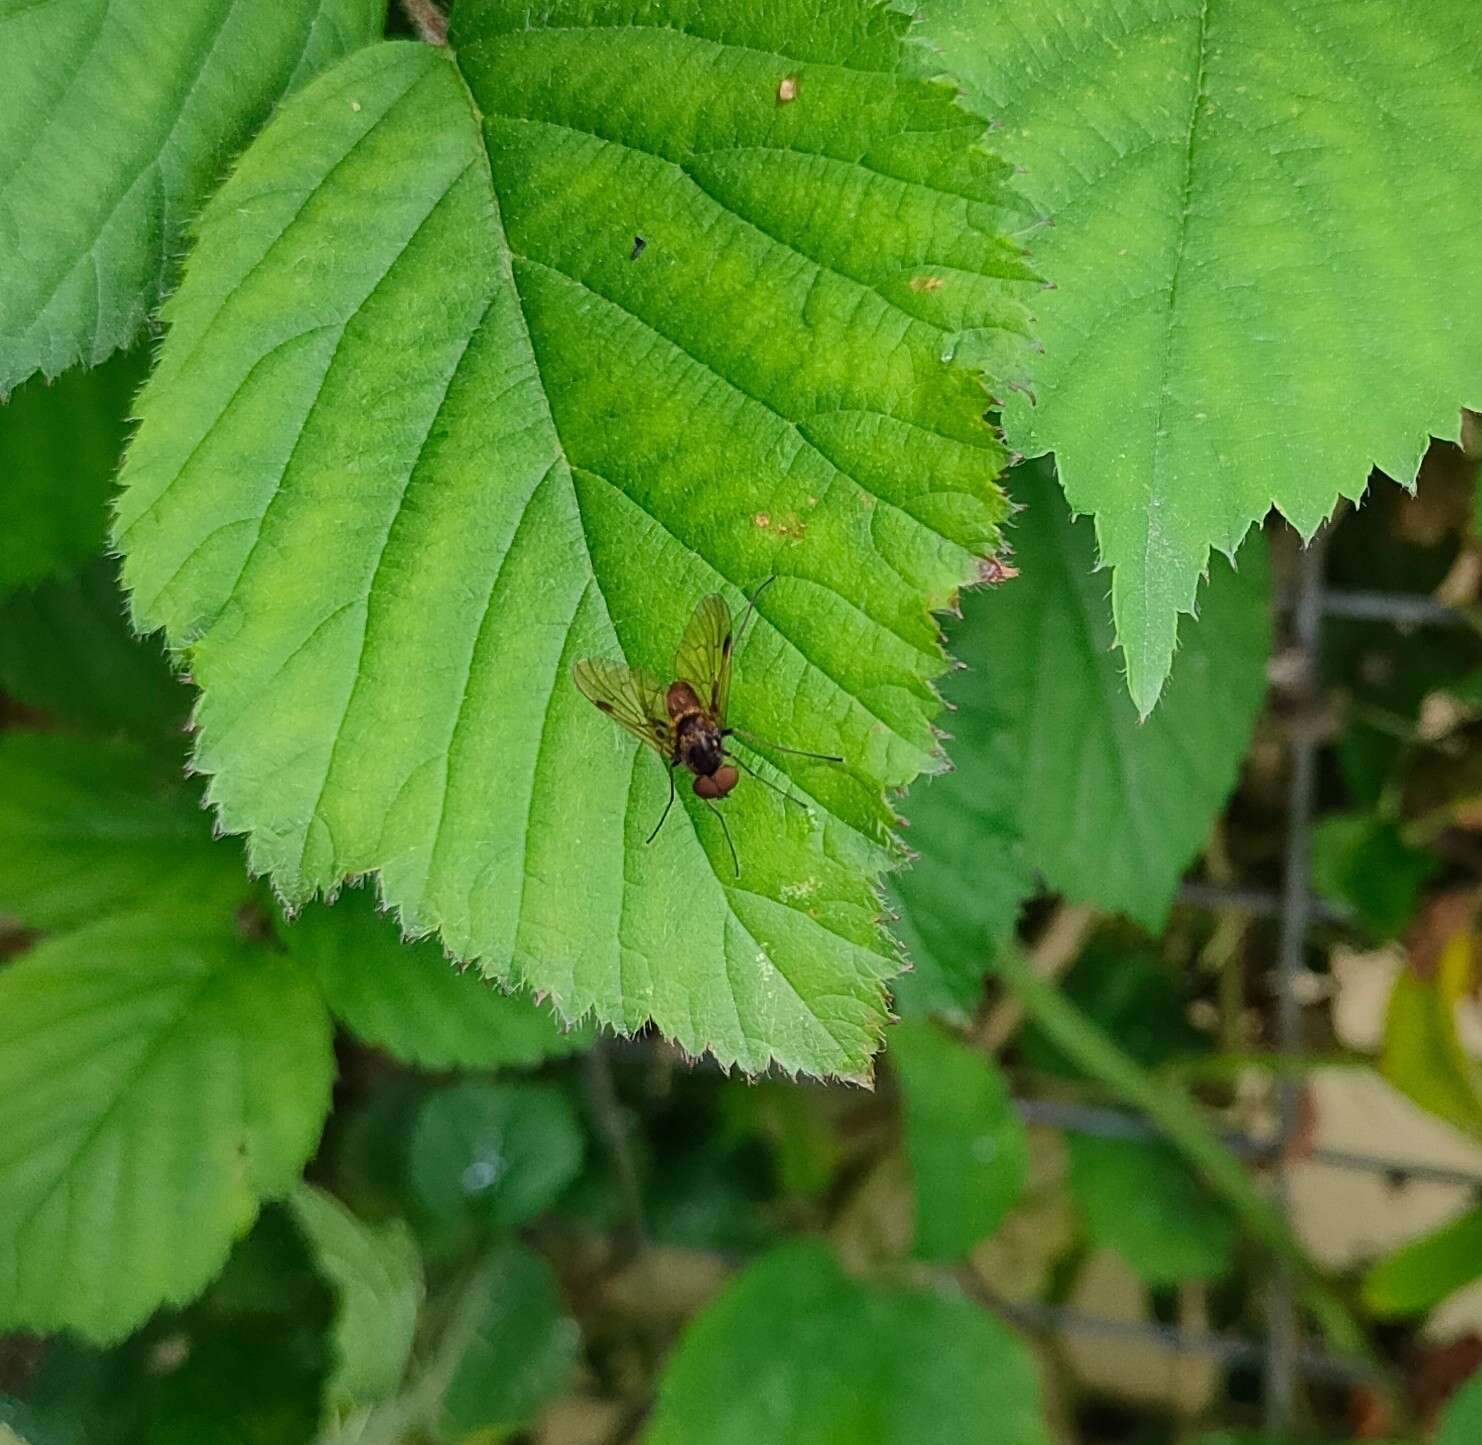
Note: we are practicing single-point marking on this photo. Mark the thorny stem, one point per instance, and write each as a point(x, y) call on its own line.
point(427, 20)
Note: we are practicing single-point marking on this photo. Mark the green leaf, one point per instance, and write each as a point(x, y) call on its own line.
point(518, 1346)
point(968, 1151)
point(60, 446)
point(90, 828)
point(497, 1152)
point(376, 1275)
point(1089, 772)
point(1420, 1274)
point(1262, 213)
point(408, 999)
point(794, 1350)
point(66, 647)
point(1053, 760)
point(119, 117)
point(158, 1079)
point(428, 427)
point(1461, 1420)
point(959, 900)
point(1143, 1201)
point(246, 1381)
point(1422, 1054)
point(1363, 862)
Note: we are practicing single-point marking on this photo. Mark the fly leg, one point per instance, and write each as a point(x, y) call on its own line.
point(750, 609)
point(665, 813)
point(721, 819)
point(781, 792)
point(755, 741)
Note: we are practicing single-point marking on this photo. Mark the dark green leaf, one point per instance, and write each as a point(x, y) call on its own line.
point(410, 1000)
point(1363, 862)
point(1419, 1275)
point(1134, 996)
point(1143, 1201)
point(967, 1149)
point(1113, 810)
point(521, 1346)
point(90, 828)
point(793, 1350)
point(960, 899)
point(158, 1079)
point(60, 447)
point(500, 1153)
point(1461, 1420)
point(119, 116)
point(66, 647)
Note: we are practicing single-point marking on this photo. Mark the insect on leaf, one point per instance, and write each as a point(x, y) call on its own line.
point(422, 434)
point(704, 656)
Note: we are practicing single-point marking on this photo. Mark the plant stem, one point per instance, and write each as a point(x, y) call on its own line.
point(1172, 1110)
point(427, 20)
point(1058, 946)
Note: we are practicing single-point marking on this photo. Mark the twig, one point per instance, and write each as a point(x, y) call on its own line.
point(427, 20)
point(1058, 946)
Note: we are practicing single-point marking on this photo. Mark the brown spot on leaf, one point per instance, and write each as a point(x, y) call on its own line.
point(927, 283)
point(787, 89)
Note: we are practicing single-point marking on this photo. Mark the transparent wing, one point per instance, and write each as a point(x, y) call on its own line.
point(704, 656)
point(631, 696)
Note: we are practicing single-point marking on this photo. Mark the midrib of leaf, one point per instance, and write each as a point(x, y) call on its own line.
point(507, 257)
point(1143, 694)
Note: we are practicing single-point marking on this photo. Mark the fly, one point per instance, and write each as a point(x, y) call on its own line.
point(685, 720)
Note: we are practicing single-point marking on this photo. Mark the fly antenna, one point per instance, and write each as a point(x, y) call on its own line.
point(750, 609)
point(781, 792)
point(796, 752)
point(721, 819)
point(665, 813)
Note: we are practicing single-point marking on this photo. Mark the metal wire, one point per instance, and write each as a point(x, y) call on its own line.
point(1258, 902)
point(1282, 1330)
point(1228, 1349)
point(1401, 609)
point(1105, 1122)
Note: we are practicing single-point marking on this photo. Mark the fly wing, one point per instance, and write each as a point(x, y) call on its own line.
point(704, 656)
point(631, 696)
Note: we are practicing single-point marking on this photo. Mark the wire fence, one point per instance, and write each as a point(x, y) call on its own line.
point(1284, 1357)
